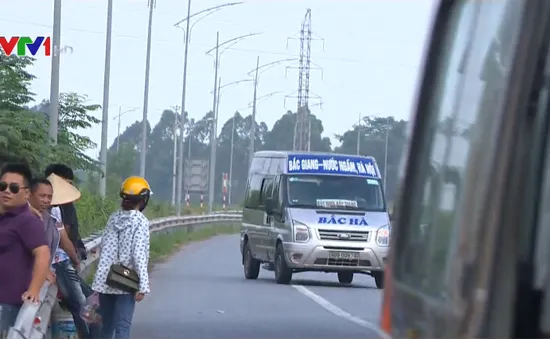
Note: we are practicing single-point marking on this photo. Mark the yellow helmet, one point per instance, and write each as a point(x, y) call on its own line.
point(135, 186)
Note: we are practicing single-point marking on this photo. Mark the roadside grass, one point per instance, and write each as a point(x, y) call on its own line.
point(162, 245)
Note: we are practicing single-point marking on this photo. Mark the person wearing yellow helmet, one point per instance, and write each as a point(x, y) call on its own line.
point(121, 278)
point(135, 191)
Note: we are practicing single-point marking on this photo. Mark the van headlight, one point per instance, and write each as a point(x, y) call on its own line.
point(383, 236)
point(301, 232)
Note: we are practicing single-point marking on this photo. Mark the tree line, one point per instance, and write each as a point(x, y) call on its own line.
point(160, 140)
point(24, 136)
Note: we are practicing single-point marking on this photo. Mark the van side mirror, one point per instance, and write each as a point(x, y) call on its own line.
point(270, 206)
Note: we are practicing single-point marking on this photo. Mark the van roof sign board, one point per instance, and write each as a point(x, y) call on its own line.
point(332, 164)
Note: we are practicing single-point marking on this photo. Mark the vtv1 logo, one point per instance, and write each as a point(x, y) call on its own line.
point(7, 44)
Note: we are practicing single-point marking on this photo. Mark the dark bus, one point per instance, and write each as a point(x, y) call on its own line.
point(470, 247)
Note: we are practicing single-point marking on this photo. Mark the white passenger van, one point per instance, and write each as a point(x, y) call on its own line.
point(314, 212)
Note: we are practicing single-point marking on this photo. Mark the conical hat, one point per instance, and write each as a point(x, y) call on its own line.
point(63, 191)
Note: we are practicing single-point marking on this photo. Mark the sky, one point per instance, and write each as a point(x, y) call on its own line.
point(366, 56)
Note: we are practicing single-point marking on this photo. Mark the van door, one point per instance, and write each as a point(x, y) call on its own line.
point(264, 220)
point(252, 213)
point(277, 222)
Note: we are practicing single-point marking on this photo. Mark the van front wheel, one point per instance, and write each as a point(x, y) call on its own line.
point(251, 264)
point(283, 274)
point(345, 277)
point(378, 279)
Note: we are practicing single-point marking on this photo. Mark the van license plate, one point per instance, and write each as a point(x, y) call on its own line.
point(343, 255)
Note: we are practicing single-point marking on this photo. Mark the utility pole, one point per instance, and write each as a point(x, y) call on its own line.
point(217, 115)
point(179, 189)
point(191, 127)
point(213, 132)
point(253, 122)
point(54, 83)
point(120, 114)
point(143, 154)
point(118, 129)
point(220, 87)
point(359, 135)
point(218, 100)
point(231, 158)
point(105, 116)
point(174, 156)
point(187, 38)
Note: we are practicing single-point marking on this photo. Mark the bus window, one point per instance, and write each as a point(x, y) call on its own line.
point(541, 281)
point(459, 121)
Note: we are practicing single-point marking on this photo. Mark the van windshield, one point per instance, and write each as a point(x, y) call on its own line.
point(335, 192)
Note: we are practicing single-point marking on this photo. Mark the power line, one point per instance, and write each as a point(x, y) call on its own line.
point(164, 14)
point(129, 37)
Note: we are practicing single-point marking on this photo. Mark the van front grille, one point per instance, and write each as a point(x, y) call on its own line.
point(344, 235)
point(342, 262)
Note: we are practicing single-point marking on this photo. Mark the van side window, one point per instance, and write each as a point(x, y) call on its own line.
point(266, 164)
point(252, 199)
point(274, 166)
point(256, 165)
point(459, 117)
point(276, 190)
point(267, 190)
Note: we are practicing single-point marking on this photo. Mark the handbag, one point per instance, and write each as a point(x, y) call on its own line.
point(122, 277)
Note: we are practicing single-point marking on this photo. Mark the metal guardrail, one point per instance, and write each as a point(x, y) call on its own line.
point(33, 319)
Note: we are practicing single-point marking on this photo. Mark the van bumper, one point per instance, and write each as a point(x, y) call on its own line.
point(315, 257)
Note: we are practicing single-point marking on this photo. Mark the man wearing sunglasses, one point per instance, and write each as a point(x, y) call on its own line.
point(24, 252)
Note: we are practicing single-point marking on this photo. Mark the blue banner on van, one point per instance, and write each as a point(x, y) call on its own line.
point(332, 164)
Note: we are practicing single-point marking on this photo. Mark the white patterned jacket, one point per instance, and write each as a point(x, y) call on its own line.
point(125, 241)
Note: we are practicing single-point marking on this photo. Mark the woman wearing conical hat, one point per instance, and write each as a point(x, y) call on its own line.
point(66, 261)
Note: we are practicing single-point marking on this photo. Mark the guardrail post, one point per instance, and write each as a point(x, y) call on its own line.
point(224, 190)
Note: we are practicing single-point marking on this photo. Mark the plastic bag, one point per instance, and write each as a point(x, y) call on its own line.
point(89, 312)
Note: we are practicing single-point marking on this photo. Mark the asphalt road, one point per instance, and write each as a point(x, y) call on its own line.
point(201, 292)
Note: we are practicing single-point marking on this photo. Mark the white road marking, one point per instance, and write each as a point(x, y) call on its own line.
point(327, 305)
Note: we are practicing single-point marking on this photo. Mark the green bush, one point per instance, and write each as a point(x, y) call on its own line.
point(94, 211)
